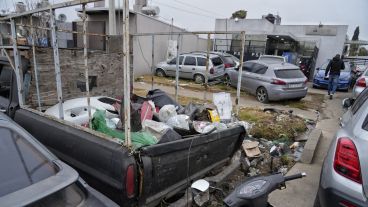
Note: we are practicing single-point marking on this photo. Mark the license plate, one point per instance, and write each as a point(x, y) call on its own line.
point(295, 85)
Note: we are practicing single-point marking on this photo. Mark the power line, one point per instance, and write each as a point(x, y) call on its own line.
point(191, 5)
point(186, 11)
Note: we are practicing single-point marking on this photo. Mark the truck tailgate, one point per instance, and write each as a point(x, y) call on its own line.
point(168, 166)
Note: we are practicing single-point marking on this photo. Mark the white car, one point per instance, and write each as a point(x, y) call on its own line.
point(76, 110)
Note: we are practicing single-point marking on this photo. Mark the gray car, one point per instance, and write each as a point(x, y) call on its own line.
point(270, 81)
point(192, 66)
point(360, 84)
point(344, 176)
point(31, 176)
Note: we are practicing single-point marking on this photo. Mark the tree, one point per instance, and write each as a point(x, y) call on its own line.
point(363, 51)
point(354, 47)
point(241, 14)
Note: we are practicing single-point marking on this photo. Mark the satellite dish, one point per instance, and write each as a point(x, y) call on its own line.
point(62, 17)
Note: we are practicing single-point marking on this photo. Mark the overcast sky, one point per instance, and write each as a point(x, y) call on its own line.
point(201, 14)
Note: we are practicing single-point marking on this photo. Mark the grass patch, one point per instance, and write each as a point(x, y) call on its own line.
point(315, 103)
point(273, 126)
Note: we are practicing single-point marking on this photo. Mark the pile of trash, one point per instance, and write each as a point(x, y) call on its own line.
point(155, 119)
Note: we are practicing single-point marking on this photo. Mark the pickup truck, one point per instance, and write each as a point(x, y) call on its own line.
point(129, 177)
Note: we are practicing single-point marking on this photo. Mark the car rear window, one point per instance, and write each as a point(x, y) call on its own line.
point(359, 102)
point(24, 164)
point(229, 59)
point(365, 124)
point(289, 73)
point(216, 61)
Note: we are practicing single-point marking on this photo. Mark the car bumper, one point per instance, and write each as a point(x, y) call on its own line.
point(333, 198)
point(321, 83)
point(216, 76)
point(357, 90)
point(282, 94)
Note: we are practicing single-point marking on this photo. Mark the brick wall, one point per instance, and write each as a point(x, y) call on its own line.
point(107, 69)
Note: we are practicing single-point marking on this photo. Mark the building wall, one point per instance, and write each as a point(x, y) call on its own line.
point(142, 46)
point(329, 43)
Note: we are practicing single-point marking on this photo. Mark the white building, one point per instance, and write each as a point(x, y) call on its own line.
point(329, 39)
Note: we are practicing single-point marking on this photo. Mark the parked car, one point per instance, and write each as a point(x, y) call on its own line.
point(32, 176)
point(192, 66)
point(344, 175)
point(230, 61)
point(270, 81)
point(319, 80)
point(272, 59)
point(360, 84)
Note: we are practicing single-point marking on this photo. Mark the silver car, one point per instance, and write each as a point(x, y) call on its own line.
point(360, 84)
point(344, 176)
point(192, 66)
point(270, 81)
point(272, 58)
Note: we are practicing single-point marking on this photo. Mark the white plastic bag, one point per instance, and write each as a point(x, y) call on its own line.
point(166, 112)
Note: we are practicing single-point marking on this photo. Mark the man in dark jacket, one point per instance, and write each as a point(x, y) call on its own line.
point(334, 67)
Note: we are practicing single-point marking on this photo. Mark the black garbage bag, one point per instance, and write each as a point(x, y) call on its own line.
point(160, 98)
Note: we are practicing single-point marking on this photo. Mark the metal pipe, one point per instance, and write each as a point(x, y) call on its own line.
point(177, 69)
point(33, 36)
point(153, 60)
point(126, 63)
point(207, 66)
point(55, 47)
point(186, 33)
point(51, 7)
point(240, 71)
point(85, 56)
point(17, 63)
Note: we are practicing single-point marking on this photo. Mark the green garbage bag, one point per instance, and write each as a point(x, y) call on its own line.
point(139, 139)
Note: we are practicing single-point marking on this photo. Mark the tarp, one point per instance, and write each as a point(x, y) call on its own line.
point(139, 139)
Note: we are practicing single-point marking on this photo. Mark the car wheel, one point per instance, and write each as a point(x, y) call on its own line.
point(160, 72)
point(262, 95)
point(227, 80)
point(199, 79)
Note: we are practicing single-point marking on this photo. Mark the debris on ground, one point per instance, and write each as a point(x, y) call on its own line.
point(251, 148)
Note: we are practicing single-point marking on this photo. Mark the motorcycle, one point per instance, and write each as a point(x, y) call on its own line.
point(254, 192)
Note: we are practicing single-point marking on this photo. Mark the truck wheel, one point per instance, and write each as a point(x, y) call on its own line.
point(160, 72)
point(199, 79)
point(262, 95)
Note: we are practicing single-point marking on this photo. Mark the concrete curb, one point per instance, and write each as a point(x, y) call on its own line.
point(310, 146)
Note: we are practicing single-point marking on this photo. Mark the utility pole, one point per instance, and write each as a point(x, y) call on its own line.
point(112, 18)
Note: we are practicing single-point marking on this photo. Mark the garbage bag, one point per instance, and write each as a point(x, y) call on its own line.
point(180, 121)
point(203, 127)
point(166, 112)
point(160, 98)
point(139, 139)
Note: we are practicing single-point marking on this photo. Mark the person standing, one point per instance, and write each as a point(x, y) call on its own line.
point(333, 70)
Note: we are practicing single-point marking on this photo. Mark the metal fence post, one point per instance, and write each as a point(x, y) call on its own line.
point(17, 63)
point(207, 65)
point(33, 36)
point(177, 69)
point(55, 47)
point(126, 63)
point(153, 60)
point(85, 55)
point(240, 71)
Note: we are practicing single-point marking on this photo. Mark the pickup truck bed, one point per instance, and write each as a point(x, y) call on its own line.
point(159, 170)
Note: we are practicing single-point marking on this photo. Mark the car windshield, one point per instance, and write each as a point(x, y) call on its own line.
point(289, 73)
point(272, 59)
point(347, 66)
point(24, 164)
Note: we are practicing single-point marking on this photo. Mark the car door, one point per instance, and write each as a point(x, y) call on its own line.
point(189, 67)
point(257, 77)
point(246, 75)
point(171, 66)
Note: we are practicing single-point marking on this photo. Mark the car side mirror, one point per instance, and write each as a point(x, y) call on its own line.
point(347, 102)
